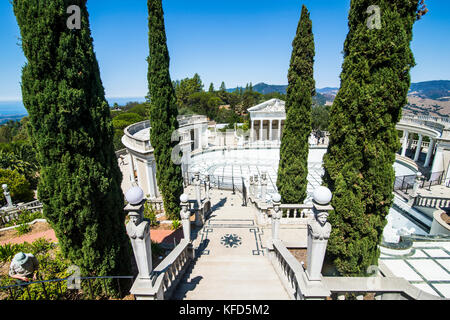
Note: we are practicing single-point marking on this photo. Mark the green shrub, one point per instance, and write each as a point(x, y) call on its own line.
point(18, 186)
point(42, 245)
point(150, 214)
point(176, 224)
point(25, 216)
point(7, 252)
point(39, 246)
point(23, 229)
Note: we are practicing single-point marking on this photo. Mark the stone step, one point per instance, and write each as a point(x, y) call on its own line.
point(238, 291)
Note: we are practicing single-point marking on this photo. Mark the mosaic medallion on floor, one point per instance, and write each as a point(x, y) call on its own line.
point(231, 241)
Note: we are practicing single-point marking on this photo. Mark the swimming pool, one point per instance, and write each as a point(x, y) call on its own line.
point(228, 166)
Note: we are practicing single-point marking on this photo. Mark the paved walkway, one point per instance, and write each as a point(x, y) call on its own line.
point(230, 263)
point(160, 236)
point(438, 191)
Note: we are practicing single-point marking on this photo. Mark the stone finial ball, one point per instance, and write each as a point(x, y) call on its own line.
point(322, 195)
point(184, 198)
point(135, 195)
point(276, 197)
point(4, 186)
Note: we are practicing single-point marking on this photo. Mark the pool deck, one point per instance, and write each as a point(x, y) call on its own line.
point(427, 266)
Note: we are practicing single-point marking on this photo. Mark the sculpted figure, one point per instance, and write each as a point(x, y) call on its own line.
point(319, 227)
point(137, 227)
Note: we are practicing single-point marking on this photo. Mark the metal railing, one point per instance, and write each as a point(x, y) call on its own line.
point(403, 183)
point(220, 182)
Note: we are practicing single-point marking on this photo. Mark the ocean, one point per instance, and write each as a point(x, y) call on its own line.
point(14, 110)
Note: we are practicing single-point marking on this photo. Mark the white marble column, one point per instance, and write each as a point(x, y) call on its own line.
point(185, 217)
point(133, 179)
point(200, 142)
point(138, 230)
point(151, 180)
point(430, 153)
point(252, 131)
point(279, 130)
point(438, 163)
point(198, 195)
point(405, 143)
point(419, 147)
point(270, 130)
point(319, 230)
point(261, 131)
point(276, 216)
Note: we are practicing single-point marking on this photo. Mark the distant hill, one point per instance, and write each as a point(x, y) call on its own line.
point(435, 90)
point(264, 88)
point(328, 90)
point(323, 95)
point(267, 88)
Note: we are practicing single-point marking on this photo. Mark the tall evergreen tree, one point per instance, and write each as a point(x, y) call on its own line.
point(223, 88)
point(163, 112)
point(211, 88)
point(359, 164)
point(293, 167)
point(73, 135)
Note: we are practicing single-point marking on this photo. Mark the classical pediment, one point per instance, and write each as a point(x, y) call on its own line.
point(270, 106)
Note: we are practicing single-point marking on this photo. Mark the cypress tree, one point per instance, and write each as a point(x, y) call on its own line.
point(163, 112)
point(73, 136)
point(293, 167)
point(223, 88)
point(211, 88)
point(359, 164)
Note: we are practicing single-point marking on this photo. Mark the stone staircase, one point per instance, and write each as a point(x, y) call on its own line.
point(230, 263)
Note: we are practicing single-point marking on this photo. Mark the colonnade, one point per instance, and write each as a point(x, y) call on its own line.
point(263, 133)
point(407, 143)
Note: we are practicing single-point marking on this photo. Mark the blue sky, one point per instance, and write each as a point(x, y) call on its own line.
point(223, 40)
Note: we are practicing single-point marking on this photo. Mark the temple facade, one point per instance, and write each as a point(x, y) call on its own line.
point(267, 121)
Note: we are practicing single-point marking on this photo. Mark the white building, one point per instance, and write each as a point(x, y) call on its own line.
point(138, 162)
point(267, 121)
point(267, 124)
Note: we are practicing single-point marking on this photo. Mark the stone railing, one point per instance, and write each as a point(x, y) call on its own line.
point(290, 271)
point(379, 288)
point(157, 205)
point(136, 143)
point(166, 276)
point(407, 161)
point(191, 120)
point(431, 202)
point(299, 287)
point(121, 152)
point(292, 213)
point(296, 213)
point(12, 214)
point(304, 280)
point(440, 120)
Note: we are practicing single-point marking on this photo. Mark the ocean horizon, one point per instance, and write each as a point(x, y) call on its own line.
point(15, 109)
